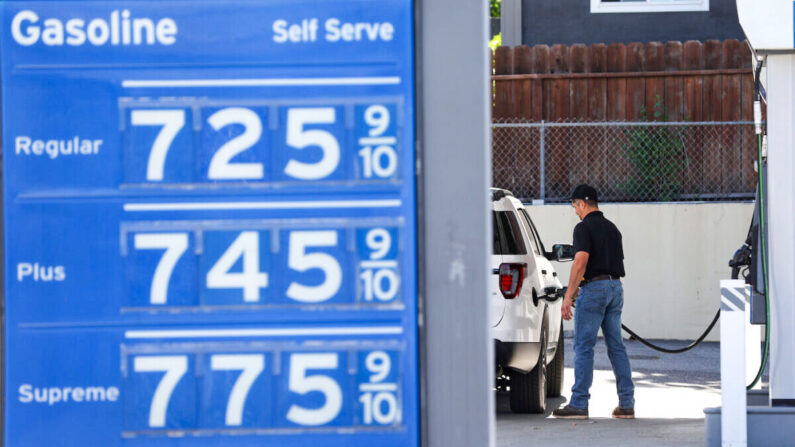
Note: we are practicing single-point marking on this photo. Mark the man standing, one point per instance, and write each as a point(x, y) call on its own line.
point(599, 259)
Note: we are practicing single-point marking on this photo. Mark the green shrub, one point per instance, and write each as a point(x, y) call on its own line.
point(657, 156)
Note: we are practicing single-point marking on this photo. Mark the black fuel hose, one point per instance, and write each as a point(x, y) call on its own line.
point(674, 351)
point(735, 275)
point(651, 345)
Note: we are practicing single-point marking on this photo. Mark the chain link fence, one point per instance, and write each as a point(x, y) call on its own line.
point(626, 161)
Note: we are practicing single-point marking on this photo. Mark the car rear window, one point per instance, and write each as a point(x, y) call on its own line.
point(496, 230)
point(507, 235)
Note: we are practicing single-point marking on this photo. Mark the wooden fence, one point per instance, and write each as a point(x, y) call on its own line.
point(694, 81)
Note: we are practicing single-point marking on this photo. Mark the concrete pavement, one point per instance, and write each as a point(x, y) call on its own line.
point(671, 392)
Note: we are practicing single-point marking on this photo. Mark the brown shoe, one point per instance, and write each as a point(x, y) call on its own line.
point(569, 412)
point(624, 413)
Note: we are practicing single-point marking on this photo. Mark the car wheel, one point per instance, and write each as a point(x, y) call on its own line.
point(528, 391)
point(555, 370)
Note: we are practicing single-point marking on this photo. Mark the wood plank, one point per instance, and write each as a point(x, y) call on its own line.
point(558, 89)
point(578, 97)
point(732, 55)
point(636, 87)
point(694, 111)
point(502, 99)
point(674, 86)
point(597, 98)
point(749, 141)
point(636, 98)
point(541, 62)
point(523, 59)
point(655, 87)
point(499, 112)
point(503, 61)
point(672, 182)
point(524, 102)
point(558, 107)
point(502, 145)
point(559, 58)
point(713, 54)
point(617, 106)
point(596, 157)
point(731, 110)
point(503, 88)
point(693, 55)
point(540, 66)
point(617, 87)
point(713, 152)
point(521, 88)
point(693, 85)
point(578, 112)
point(524, 162)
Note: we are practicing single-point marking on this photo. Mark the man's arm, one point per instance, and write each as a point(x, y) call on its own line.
point(577, 272)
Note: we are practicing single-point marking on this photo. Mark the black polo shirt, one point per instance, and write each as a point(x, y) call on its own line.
point(601, 239)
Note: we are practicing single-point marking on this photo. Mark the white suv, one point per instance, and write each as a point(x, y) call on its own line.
point(525, 307)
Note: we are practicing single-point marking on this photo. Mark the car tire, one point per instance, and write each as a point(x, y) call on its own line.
point(528, 391)
point(555, 370)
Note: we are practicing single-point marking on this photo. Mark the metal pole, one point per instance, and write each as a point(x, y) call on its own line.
point(541, 165)
point(458, 350)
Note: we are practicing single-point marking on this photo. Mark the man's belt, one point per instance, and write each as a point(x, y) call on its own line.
point(602, 278)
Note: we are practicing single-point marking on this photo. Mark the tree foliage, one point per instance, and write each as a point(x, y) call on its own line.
point(494, 7)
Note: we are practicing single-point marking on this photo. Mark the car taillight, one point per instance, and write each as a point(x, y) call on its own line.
point(511, 278)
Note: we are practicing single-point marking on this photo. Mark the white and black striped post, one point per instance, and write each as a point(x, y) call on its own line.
point(733, 300)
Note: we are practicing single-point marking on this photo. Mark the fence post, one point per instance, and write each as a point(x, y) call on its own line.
point(541, 164)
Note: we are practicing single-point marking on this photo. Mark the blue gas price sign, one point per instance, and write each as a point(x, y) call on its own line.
point(209, 223)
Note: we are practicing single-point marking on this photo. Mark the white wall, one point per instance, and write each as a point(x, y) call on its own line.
point(675, 256)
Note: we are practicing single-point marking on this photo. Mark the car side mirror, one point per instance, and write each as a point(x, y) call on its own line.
point(563, 252)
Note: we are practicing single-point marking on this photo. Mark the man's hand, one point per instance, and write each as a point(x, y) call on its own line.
point(577, 271)
point(565, 309)
point(568, 300)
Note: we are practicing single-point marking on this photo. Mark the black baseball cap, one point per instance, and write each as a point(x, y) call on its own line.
point(585, 192)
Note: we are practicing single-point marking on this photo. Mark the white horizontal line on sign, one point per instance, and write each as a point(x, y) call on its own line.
point(377, 140)
point(378, 387)
point(263, 82)
point(204, 206)
point(378, 264)
point(282, 332)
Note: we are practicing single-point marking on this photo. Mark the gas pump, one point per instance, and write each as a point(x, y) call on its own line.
point(768, 25)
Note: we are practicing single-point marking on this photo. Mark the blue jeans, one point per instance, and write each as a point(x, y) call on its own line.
point(599, 305)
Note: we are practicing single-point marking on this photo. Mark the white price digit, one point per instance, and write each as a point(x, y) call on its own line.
point(378, 363)
point(174, 367)
point(175, 245)
point(172, 122)
point(379, 241)
point(374, 284)
point(379, 283)
point(251, 366)
point(220, 166)
point(374, 404)
point(301, 383)
point(251, 280)
point(377, 117)
point(299, 138)
point(381, 161)
point(299, 260)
